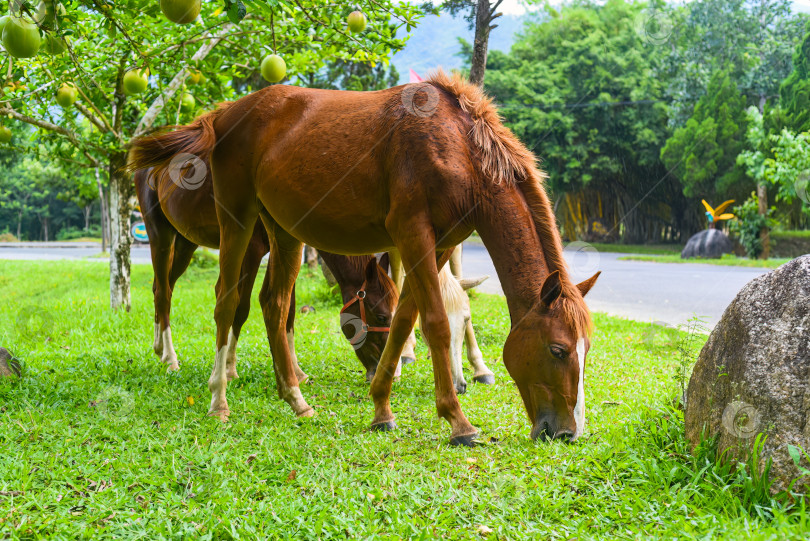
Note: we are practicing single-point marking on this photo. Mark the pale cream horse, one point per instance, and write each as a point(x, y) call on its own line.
point(457, 307)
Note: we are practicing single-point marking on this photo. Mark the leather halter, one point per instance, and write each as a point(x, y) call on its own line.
point(359, 297)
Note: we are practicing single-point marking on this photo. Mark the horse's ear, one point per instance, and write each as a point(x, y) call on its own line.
point(371, 271)
point(385, 262)
point(586, 285)
point(469, 283)
point(551, 290)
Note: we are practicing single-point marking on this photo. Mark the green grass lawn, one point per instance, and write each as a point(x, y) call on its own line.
point(727, 260)
point(98, 440)
point(647, 249)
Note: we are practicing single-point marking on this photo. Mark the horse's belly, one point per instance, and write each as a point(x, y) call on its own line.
point(329, 220)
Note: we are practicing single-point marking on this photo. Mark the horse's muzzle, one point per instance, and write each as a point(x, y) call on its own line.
point(546, 428)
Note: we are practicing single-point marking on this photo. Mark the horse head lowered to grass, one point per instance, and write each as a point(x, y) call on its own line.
point(415, 167)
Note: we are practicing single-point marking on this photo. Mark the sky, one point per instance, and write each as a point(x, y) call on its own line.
point(518, 7)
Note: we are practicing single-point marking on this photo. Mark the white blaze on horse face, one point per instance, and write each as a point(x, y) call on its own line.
point(579, 409)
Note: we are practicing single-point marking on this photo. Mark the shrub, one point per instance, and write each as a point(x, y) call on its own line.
point(749, 223)
point(72, 233)
point(204, 259)
point(5, 236)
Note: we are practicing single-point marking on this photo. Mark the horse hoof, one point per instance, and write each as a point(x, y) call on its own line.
point(222, 415)
point(466, 441)
point(386, 426)
point(461, 389)
point(173, 367)
point(232, 376)
point(307, 413)
point(486, 379)
point(407, 360)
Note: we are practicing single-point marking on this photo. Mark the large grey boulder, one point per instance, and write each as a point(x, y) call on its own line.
point(709, 243)
point(9, 366)
point(753, 374)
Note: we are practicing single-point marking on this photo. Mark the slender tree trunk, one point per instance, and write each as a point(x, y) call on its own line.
point(105, 217)
point(87, 210)
point(121, 194)
point(762, 197)
point(478, 64)
point(311, 256)
point(478, 67)
point(45, 228)
point(19, 225)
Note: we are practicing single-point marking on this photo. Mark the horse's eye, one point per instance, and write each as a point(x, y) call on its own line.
point(558, 351)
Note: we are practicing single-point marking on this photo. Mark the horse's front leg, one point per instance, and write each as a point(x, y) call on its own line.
point(481, 372)
point(282, 270)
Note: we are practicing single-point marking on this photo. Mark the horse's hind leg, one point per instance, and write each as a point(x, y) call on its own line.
point(161, 245)
point(250, 267)
point(398, 275)
point(282, 270)
point(234, 240)
point(182, 252)
point(263, 296)
point(481, 373)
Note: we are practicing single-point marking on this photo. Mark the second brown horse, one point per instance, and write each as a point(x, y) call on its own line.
point(179, 217)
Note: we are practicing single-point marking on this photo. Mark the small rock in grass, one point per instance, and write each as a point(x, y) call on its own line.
point(9, 366)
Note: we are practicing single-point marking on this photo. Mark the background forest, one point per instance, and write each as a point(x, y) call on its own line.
point(636, 110)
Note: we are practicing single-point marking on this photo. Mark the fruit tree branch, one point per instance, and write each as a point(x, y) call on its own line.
point(45, 125)
point(160, 102)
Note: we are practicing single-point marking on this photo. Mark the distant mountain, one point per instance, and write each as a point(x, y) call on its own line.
point(434, 43)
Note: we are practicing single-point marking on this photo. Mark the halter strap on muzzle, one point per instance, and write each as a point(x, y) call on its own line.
point(359, 297)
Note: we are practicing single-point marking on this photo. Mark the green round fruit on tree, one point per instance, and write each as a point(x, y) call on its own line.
point(274, 69)
point(5, 134)
point(21, 37)
point(187, 103)
point(3, 20)
point(53, 45)
point(357, 21)
point(66, 95)
point(181, 11)
point(46, 12)
point(135, 82)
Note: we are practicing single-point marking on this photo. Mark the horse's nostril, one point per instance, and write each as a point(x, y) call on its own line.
point(565, 435)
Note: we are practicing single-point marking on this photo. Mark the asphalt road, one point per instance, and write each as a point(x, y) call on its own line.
point(656, 292)
point(652, 292)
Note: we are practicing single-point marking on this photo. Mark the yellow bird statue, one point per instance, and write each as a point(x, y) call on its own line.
point(716, 215)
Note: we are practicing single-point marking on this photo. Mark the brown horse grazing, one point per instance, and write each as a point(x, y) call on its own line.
point(180, 216)
point(417, 167)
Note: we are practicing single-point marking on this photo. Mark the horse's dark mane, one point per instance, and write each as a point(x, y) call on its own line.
point(506, 159)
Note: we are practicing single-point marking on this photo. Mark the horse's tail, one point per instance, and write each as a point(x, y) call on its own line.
point(197, 139)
